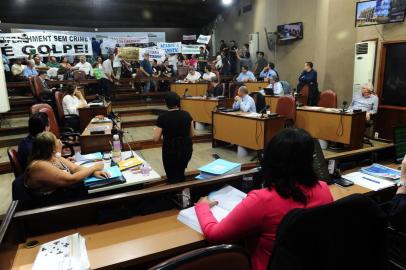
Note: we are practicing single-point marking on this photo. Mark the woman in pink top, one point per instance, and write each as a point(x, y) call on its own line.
point(290, 183)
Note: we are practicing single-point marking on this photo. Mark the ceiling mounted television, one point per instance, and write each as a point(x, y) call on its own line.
point(290, 31)
point(380, 12)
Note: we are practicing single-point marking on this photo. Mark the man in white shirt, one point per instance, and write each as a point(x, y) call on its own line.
point(192, 76)
point(107, 80)
point(275, 85)
point(84, 66)
point(117, 64)
point(208, 75)
point(366, 101)
point(243, 101)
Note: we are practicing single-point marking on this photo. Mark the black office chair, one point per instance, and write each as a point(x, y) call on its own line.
point(346, 234)
point(224, 257)
point(260, 102)
point(396, 249)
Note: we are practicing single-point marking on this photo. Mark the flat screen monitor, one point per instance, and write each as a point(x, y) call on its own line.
point(380, 12)
point(290, 31)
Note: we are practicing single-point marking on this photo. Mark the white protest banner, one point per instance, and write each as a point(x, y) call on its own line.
point(131, 40)
point(189, 37)
point(20, 45)
point(191, 49)
point(204, 39)
point(154, 53)
point(4, 101)
point(170, 47)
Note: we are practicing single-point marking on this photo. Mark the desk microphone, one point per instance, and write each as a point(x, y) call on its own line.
point(344, 107)
point(264, 110)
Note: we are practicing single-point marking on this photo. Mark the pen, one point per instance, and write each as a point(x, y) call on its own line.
point(372, 180)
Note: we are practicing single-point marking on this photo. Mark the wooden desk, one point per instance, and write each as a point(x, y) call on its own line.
point(200, 108)
point(272, 101)
point(132, 241)
point(256, 86)
point(86, 114)
point(194, 89)
point(250, 132)
point(91, 143)
point(331, 125)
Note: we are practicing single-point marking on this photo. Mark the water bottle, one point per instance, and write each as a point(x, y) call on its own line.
point(106, 160)
point(116, 149)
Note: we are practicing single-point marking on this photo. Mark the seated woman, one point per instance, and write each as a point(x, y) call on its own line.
point(290, 183)
point(193, 76)
point(72, 101)
point(48, 172)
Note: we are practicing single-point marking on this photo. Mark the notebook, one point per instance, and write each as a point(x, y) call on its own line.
point(66, 253)
point(227, 198)
point(368, 181)
point(129, 163)
point(218, 167)
point(115, 178)
point(381, 171)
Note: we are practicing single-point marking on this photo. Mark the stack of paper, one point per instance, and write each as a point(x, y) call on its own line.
point(129, 163)
point(115, 178)
point(227, 198)
point(368, 181)
point(381, 171)
point(66, 253)
point(217, 168)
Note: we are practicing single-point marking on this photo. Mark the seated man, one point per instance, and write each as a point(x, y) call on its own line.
point(17, 69)
point(246, 75)
point(268, 71)
point(84, 66)
point(192, 76)
point(366, 101)
point(52, 63)
point(29, 70)
point(47, 92)
point(37, 123)
point(275, 85)
point(216, 88)
point(208, 75)
point(243, 101)
point(38, 63)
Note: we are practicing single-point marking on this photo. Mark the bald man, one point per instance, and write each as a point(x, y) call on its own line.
point(243, 101)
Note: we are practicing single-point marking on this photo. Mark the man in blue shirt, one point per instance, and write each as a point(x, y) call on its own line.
point(246, 75)
point(309, 75)
point(366, 101)
point(243, 101)
point(37, 123)
point(30, 70)
point(146, 68)
point(268, 71)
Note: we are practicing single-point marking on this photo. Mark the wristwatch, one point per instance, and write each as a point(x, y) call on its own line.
point(401, 184)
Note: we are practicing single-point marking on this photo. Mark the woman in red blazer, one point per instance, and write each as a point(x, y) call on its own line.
point(290, 183)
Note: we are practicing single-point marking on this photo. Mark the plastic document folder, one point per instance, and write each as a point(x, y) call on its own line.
point(381, 171)
point(369, 181)
point(227, 198)
point(66, 253)
point(129, 163)
point(89, 157)
point(115, 178)
point(218, 167)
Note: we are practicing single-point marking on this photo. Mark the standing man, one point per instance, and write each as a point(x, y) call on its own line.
point(202, 58)
point(223, 45)
point(260, 64)
point(233, 57)
point(107, 80)
point(146, 69)
point(95, 48)
point(176, 128)
point(309, 77)
point(243, 101)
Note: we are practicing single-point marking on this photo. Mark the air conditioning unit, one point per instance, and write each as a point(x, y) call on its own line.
point(364, 64)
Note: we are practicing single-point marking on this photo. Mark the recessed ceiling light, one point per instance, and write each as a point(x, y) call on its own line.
point(227, 2)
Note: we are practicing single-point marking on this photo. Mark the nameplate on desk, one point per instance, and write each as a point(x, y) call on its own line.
point(99, 104)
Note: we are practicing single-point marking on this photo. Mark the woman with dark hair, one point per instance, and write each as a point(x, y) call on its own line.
point(290, 183)
point(71, 102)
point(48, 171)
point(176, 128)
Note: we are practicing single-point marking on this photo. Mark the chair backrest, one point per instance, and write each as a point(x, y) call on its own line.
point(53, 124)
point(286, 87)
point(182, 71)
point(79, 75)
point(305, 92)
point(15, 163)
point(37, 86)
point(328, 99)
point(286, 106)
point(259, 99)
point(346, 234)
point(224, 257)
point(59, 107)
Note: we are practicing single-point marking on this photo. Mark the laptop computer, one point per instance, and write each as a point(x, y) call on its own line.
point(269, 91)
